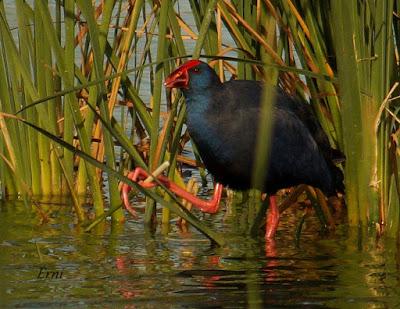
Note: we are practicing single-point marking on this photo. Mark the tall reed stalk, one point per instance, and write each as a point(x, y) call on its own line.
point(368, 70)
point(68, 66)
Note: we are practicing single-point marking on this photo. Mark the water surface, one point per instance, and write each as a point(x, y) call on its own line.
point(128, 266)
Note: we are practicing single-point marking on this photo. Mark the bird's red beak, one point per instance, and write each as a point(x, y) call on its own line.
point(180, 77)
point(177, 79)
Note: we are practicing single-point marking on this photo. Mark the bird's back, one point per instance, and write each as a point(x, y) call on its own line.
point(226, 137)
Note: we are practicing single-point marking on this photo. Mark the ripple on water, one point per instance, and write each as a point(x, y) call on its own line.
point(127, 265)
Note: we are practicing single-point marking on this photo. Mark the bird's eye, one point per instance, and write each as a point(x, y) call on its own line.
point(196, 70)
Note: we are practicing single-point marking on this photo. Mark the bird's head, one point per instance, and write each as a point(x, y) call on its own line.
point(193, 74)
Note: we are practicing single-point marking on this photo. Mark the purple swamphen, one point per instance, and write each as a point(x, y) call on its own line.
point(222, 119)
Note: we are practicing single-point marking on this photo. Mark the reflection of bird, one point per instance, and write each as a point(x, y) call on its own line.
point(222, 119)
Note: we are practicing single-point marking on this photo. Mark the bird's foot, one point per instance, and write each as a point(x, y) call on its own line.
point(134, 175)
point(272, 219)
point(270, 248)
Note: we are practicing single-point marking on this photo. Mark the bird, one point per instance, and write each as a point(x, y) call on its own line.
point(223, 119)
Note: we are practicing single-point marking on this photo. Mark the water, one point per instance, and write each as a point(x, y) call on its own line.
point(55, 263)
point(127, 266)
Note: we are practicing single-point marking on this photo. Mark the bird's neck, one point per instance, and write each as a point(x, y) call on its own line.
point(200, 120)
point(197, 102)
point(197, 114)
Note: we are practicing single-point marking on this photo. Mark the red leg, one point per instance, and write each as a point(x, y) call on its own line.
point(272, 219)
point(209, 206)
point(125, 196)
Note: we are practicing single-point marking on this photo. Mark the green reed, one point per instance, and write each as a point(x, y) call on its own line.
point(85, 54)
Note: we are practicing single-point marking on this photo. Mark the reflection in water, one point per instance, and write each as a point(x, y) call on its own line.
point(126, 266)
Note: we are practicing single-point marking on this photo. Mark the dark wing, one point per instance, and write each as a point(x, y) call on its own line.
point(308, 117)
point(240, 101)
point(306, 114)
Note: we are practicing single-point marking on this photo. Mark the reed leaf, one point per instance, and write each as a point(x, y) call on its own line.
point(181, 211)
point(91, 74)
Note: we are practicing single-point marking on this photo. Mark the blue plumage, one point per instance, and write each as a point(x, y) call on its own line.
point(222, 119)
